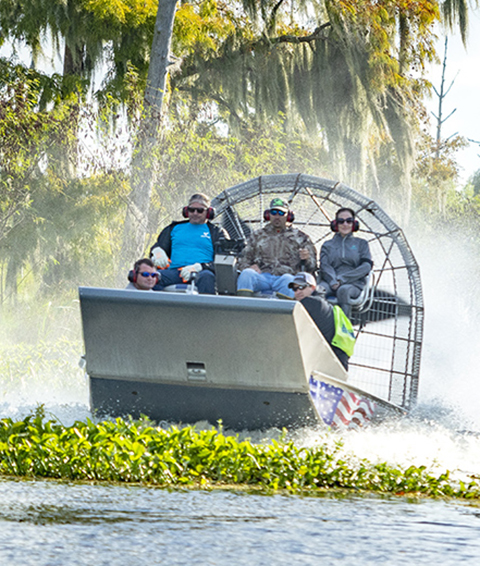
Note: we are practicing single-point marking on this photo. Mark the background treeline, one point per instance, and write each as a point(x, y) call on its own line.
point(330, 88)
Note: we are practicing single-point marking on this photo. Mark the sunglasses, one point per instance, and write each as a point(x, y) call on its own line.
point(347, 220)
point(195, 209)
point(299, 287)
point(274, 212)
point(148, 274)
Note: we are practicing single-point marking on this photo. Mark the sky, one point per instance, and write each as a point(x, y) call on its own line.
point(463, 67)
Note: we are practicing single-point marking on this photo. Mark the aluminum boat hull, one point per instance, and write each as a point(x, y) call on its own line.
point(189, 358)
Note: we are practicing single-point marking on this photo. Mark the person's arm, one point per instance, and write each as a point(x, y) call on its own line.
point(247, 259)
point(216, 232)
point(327, 271)
point(321, 312)
point(363, 268)
point(308, 256)
point(164, 241)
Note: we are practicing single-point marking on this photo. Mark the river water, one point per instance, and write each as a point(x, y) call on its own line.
point(49, 523)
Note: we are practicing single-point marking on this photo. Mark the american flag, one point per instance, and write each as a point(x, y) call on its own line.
point(339, 407)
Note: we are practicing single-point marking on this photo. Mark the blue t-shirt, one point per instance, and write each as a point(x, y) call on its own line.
point(191, 243)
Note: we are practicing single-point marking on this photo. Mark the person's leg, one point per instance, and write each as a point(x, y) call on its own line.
point(324, 289)
point(168, 277)
point(205, 282)
point(344, 294)
point(280, 285)
point(250, 280)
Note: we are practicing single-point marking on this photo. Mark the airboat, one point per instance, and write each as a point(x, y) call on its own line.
point(260, 362)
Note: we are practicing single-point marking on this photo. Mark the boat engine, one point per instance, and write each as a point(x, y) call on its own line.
point(226, 256)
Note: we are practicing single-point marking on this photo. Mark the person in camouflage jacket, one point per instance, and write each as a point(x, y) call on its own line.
point(274, 254)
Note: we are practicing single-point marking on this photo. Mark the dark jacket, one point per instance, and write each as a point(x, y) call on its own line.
point(321, 312)
point(164, 240)
point(345, 260)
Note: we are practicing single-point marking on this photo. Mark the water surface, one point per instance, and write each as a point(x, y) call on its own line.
point(52, 523)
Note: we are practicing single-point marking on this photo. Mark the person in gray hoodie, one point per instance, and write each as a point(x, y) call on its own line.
point(345, 261)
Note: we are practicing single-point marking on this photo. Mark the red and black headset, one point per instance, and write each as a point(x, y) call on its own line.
point(201, 198)
point(334, 223)
point(267, 216)
point(210, 212)
point(132, 274)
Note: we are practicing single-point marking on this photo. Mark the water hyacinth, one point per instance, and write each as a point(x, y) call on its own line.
point(137, 451)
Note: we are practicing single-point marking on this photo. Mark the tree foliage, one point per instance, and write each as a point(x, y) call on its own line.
point(58, 232)
point(344, 70)
point(29, 138)
point(321, 86)
point(46, 219)
point(436, 174)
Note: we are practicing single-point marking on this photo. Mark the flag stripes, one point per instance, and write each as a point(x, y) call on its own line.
point(339, 407)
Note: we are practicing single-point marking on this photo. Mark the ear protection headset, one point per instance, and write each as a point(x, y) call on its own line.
point(210, 212)
point(267, 216)
point(334, 223)
point(132, 275)
point(355, 227)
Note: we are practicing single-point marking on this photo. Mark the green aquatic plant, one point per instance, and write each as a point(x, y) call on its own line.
point(138, 451)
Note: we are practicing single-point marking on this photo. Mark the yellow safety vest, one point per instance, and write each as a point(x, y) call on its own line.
point(344, 336)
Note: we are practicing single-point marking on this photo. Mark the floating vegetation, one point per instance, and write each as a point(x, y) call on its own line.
point(137, 451)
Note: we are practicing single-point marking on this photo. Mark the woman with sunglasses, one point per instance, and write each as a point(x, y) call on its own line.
point(345, 261)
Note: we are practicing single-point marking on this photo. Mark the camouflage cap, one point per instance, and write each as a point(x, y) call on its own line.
point(279, 204)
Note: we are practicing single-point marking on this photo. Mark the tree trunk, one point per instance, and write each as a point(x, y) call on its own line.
point(144, 162)
point(73, 59)
point(64, 157)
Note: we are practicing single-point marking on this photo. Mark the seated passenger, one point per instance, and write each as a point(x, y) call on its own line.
point(143, 276)
point(187, 247)
point(331, 321)
point(275, 253)
point(345, 261)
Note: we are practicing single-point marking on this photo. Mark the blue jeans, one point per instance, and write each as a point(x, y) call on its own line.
point(250, 280)
point(205, 280)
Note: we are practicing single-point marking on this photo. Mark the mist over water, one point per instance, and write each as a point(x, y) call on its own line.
point(65, 400)
point(449, 385)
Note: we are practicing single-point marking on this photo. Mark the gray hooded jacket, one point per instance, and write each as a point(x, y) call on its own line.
point(345, 260)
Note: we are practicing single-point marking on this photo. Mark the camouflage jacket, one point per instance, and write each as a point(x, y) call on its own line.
point(278, 252)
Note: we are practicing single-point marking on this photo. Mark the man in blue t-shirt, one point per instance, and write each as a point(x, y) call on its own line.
point(187, 247)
